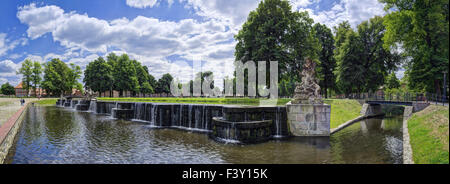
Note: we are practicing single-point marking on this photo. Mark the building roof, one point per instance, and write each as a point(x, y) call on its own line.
point(19, 86)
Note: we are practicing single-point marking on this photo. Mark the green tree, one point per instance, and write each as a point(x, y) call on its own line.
point(112, 61)
point(326, 57)
point(163, 85)
point(7, 89)
point(27, 74)
point(59, 78)
point(125, 78)
point(151, 80)
point(362, 61)
point(421, 29)
point(273, 32)
point(392, 82)
point(377, 61)
point(98, 75)
point(349, 72)
point(36, 76)
point(143, 78)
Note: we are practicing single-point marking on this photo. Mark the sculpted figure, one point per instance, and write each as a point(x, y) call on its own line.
point(308, 91)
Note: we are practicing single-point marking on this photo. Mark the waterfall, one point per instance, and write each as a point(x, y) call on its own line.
point(93, 106)
point(196, 117)
point(204, 119)
point(71, 103)
point(278, 123)
point(190, 115)
point(181, 115)
point(154, 108)
point(113, 110)
point(139, 108)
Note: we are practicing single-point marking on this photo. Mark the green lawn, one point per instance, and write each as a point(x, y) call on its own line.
point(342, 111)
point(428, 130)
point(46, 101)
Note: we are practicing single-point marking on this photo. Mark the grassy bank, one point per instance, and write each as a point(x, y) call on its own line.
point(48, 101)
point(342, 111)
point(428, 130)
point(238, 101)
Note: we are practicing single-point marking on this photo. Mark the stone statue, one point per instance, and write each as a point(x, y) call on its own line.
point(308, 91)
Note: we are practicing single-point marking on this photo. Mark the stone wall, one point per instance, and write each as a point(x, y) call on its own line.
point(418, 106)
point(9, 130)
point(407, 150)
point(309, 119)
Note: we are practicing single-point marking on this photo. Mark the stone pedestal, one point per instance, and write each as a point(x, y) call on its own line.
point(308, 119)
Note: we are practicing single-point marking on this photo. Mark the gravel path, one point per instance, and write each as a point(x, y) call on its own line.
point(8, 106)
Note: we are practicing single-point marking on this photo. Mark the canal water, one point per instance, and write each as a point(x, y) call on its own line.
point(58, 135)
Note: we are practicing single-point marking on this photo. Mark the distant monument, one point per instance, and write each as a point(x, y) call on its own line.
point(307, 114)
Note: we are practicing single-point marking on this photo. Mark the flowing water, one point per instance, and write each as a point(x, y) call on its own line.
point(57, 135)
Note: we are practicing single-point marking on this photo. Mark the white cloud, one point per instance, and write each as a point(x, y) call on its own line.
point(232, 12)
point(6, 44)
point(141, 3)
point(40, 20)
point(149, 40)
point(8, 68)
point(355, 11)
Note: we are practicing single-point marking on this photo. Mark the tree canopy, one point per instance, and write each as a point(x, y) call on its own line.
point(98, 75)
point(362, 61)
point(27, 74)
point(327, 61)
point(59, 78)
point(7, 89)
point(421, 29)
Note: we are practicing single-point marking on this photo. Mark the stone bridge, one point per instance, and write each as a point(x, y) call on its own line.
point(373, 107)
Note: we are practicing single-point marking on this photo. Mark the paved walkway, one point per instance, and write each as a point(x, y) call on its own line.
point(9, 106)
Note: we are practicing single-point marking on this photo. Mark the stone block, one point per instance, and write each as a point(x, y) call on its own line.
point(308, 119)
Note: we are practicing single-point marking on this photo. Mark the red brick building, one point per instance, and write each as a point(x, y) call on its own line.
point(21, 92)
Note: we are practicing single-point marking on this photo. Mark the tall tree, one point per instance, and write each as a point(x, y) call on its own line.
point(421, 29)
point(377, 61)
point(349, 71)
point(112, 61)
point(60, 78)
point(163, 85)
point(98, 75)
point(273, 32)
point(362, 61)
point(143, 78)
point(151, 80)
point(392, 81)
point(27, 74)
point(125, 78)
point(36, 76)
point(326, 57)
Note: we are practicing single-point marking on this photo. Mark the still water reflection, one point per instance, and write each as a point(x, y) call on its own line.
point(58, 135)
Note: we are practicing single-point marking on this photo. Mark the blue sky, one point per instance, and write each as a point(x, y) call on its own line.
point(165, 35)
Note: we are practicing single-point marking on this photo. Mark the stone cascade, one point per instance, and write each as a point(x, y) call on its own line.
point(243, 124)
point(82, 105)
point(249, 124)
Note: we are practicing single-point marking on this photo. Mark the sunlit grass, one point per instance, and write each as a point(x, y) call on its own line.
point(428, 130)
point(51, 101)
point(342, 111)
